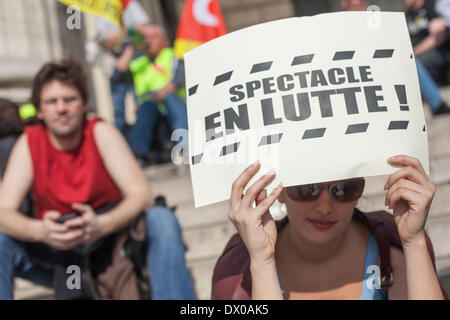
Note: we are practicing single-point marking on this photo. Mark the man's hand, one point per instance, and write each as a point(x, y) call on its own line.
point(88, 223)
point(165, 91)
point(59, 236)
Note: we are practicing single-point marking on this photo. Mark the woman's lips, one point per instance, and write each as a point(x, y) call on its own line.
point(321, 224)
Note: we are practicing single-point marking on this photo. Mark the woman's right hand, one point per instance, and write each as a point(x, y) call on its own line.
point(255, 224)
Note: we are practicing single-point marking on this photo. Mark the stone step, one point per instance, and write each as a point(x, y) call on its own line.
point(202, 272)
point(177, 191)
point(443, 266)
point(204, 243)
point(438, 230)
point(167, 171)
point(26, 290)
point(18, 70)
point(17, 94)
point(192, 218)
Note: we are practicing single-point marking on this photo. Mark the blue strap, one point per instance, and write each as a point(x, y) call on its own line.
point(371, 288)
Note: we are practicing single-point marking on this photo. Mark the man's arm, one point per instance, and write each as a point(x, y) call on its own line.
point(13, 188)
point(123, 61)
point(436, 37)
point(128, 176)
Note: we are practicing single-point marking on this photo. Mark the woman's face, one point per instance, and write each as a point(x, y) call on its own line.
point(319, 221)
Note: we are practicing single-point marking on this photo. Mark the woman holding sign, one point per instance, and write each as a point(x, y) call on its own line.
point(325, 249)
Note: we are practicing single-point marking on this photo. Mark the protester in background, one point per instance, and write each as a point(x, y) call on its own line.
point(428, 86)
point(430, 91)
point(114, 40)
point(428, 33)
point(72, 164)
point(159, 81)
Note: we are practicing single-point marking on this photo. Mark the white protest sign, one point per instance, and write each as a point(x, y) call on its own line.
point(319, 98)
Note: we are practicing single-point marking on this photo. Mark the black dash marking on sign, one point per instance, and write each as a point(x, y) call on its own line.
point(270, 139)
point(223, 77)
point(410, 56)
point(263, 66)
point(231, 148)
point(193, 90)
point(398, 125)
point(343, 55)
point(357, 128)
point(383, 53)
point(424, 129)
point(313, 133)
point(307, 58)
point(197, 158)
point(404, 108)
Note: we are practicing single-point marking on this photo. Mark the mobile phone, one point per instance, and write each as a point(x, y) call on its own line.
point(68, 216)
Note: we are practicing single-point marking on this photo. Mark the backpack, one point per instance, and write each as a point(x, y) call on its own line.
point(232, 279)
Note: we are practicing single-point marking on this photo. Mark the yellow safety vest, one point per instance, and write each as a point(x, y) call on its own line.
point(149, 77)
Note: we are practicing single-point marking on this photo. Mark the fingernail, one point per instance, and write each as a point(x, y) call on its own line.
point(270, 173)
point(255, 163)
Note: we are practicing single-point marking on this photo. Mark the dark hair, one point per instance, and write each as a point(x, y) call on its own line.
point(10, 121)
point(69, 72)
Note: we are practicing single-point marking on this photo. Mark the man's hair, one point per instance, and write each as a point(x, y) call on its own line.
point(68, 71)
point(10, 121)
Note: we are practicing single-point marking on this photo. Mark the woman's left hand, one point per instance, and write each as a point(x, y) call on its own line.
point(409, 194)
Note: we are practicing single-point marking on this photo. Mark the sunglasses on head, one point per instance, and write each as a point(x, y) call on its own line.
point(344, 191)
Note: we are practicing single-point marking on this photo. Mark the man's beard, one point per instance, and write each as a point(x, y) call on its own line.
point(65, 132)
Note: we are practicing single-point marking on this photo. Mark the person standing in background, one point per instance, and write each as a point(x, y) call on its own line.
point(114, 40)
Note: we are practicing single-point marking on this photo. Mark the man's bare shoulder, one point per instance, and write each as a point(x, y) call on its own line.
point(21, 147)
point(104, 130)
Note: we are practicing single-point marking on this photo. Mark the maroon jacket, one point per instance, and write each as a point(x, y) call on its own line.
point(232, 279)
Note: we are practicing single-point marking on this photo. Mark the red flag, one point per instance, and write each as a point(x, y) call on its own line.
point(125, 4)
point(201, 21)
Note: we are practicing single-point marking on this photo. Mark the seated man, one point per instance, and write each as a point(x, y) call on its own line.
point(72, 164)
point(159, 83)
point(428, 33)
point(428, 87)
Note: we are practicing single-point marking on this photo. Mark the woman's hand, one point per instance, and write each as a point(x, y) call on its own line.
point(255, 224)
point(409, 194)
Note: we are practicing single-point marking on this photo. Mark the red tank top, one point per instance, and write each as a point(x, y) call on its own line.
point(64, 177)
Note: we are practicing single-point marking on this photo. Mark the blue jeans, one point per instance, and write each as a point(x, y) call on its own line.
point(428, 87)
point(119, 91)
point(142, 131)
point(435, 61)
point(169, 276)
